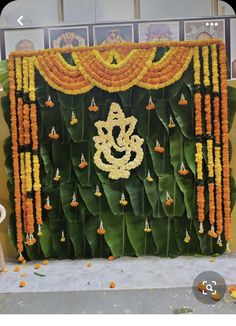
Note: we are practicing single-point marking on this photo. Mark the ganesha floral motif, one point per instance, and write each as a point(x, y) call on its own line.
point(118, 151)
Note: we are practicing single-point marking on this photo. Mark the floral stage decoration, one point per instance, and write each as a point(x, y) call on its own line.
point(119, 150)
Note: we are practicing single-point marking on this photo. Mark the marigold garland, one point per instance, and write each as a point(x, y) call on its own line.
point(225, 141)
point(208, 122)
point(217, 143)
point(15, 156)
point(198, 133)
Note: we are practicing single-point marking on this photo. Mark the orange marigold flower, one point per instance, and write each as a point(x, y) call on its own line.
point(111, 258)
point(183, 100)
point(159, 149)
point(101, 231)
point(22, 284)
point(183, 172)
point(112, 285)
point(151, 105)
point(74, 204)
point(232, 288)
point(169, 202)
point(83, 165)
point(47, 207)
point(49, 103)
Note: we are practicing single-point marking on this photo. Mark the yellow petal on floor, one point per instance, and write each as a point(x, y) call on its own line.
point(89, 264)
point(16, 269)
point(37, 266)
point(233, 295)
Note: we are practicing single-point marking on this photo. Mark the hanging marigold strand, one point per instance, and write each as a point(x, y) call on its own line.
point(208, 121)
point(225, 141)
point(217, 143)
point(15, 156)
point(35, 145)
point(198, 133)
point(19, 84)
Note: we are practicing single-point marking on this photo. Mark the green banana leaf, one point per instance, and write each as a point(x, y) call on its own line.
point(142, 242)
point(164, 236)
point(163, 112)
point(91, 201)
point(46, 240)
point(8, 159)
point(61, 160)
point(5, 103)
point(168, 183)
point(180, 225)
point(189, 153)
point(4, 80)
point(161, 161)
point(87, 176)
point(153, 195)
point(116, 234)
point(98, 245)
point(184, 115)
point(138, 199)
point(186, 183)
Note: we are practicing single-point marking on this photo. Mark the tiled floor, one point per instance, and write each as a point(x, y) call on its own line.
point(144, 285)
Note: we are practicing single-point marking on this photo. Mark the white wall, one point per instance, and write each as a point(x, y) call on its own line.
point(159, 9)
point(91, 11)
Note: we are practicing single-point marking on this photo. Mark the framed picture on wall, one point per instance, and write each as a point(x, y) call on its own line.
point(204, 29)
point(24, 40)
point(233, 47)
point(159, 31)
point(111, 34)
point(68, 37)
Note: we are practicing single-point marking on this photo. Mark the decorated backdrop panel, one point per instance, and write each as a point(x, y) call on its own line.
point(120, 150)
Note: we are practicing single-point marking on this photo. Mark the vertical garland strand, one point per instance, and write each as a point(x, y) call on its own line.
point(18, 63)
point(209, 136)
point(217, 143)
point(198, 134)
point(30, 240)
point(225, 142)
point(35, 146)
point(15, 156)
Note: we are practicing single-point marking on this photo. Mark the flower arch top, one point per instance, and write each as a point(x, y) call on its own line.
point(114, 67)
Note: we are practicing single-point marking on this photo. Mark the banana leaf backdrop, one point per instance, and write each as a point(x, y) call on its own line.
point(124, 226)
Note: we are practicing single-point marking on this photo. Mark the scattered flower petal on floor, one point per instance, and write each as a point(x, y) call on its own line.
point(111, 257)
point(233, 295)
point(16, 269)
point(232, 288)
point(112, 285)
point(22, 284)
point(89, 264)
point(37, 266)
